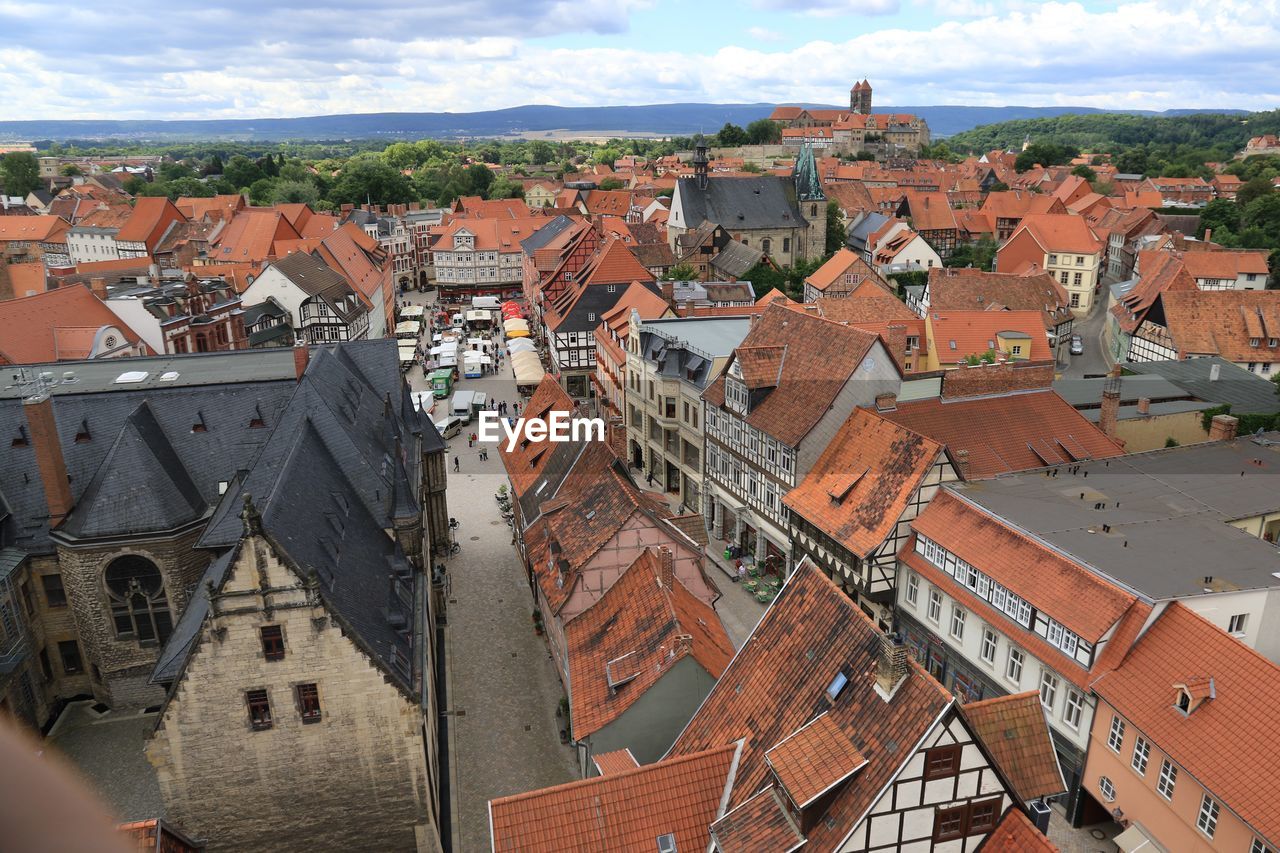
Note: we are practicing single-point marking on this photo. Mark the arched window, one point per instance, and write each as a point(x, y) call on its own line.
point(138, 603)
point(765, 245)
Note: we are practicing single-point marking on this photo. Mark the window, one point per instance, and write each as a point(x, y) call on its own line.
point(309, 703)
point(786, 244)
point(957, 623)
point(1077, 279)
point(259, 709)
point(69, 652)
point(972, 819)
point(1207, 822)
point(1235, 625)
point(983, 815)
point(989, 642)
point(1062, 276)
point(1048, 689)
point(54, 594)
point(837, 685)
point(46, 668)
point(1168, 778)
point(138, 604)
point(1053, 259)
point(1260, 846)
point(1107, 789)
point(1115, 737)
point(948, 824)
point(1079, 260)
point(1074, 709)
point(667, 843)
point(1017, 349)
point(272, 642)
point(1075, 297)
point(1013, 670)
point(941, 762)
point(913, 588)
point(1141, 752)
point(935, 605)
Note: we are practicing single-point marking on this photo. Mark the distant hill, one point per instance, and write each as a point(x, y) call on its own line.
point(665, 119)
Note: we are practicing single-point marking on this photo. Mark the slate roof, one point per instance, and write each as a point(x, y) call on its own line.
point(860, 485)
point(187, 631)
point(1015, 732)
point(1007, 432)
point(821, 358)
point(778, 681)
point(314, 278)
point(639, 626)
point(621, 811)
point(740, 203)
point(735, 259)
point(1230, 743)
point(1246, 392)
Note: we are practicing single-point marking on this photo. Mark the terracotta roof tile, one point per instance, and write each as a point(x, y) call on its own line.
point(1159, 272)
point(623, 644)
point(970, 289)
point(1061, 232)
point(1009, 432)
point(760, 823)
point(608, 763)
point(845, 262)
point(615, 264)
point(860, 485)
point(525, 462)
point(1015, 732)
point(1230, 744)
point(56, 325)
point(31, 228)
point(813, 759)
point(151, 216)
point(622, 811)
point(958, 334)
point(1017, 834)
point(1223, 322)
point(857, 310)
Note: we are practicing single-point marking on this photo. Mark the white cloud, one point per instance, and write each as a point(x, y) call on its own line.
point(332, 61)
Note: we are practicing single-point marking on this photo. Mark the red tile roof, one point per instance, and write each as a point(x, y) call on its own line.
point(608, 763)
point(621, 811)
point(1061, 232)
point(821, 356)
point(250, 237)
point(638, 630)
point(151, 217)
point(975, 332)
point(862, 482)
point(760, 823)
point(525, 462)
point(971, 289)
point(1017, 834)
point(36, 229)
point(1225, 265)
point(1230, 744)
point(778, 681)
point(842, 263)
point(1158, 272)
point(615, 264)
point(858, 310)
point(813, 759)
point(1223, 323)
point(1015, 732)
point(1058, 586)
point(1009, 432)
point(56, 325)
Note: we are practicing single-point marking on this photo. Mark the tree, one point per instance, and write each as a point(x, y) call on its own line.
point(1263, 214)
point(506, 188)
point(1221, 216)
point(133, 185)
point(999, 187)
point(369, 179)
point(71, 170)
point(731, 136)
point(764, 278)
point(173, 171)
point(836, 234)
point(540, 152)
point(762, 131)
point(241, 171)
point(213, 167)
point(294, 192)
point(21, 172)
point(611, 184)
point(1085, 172)
point(682, 272)
point(1251, 189)
point(1045, 154)
point(752, 168)
point(262, 191)
point(864, 156)
point(188, 187)
point(480, 177)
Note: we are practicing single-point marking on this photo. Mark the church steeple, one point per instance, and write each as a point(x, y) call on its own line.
point(808, 184)
point(860, 98)
point(700, 162)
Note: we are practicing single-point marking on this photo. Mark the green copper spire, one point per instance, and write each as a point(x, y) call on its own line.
point(808, 187)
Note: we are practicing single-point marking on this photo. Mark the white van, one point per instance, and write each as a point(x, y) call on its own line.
point(449, 427)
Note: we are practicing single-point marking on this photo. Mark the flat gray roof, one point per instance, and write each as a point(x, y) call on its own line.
point(717, 336)
point(97, 375)
point(1088, 392)
point(1247, 392)
point(1172, 407)
point(1165, 512)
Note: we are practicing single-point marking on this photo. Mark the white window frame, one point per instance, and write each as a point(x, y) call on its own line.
point(1207, 820)
point(913, 589)
point(1073, 709)
point(1016, 659)
point(1236, 624)
point(1048, 684)
point(990, 643)
point(934, 609)
point(1141, 755)
point(1168, 780)
point(1107, 788)
point(957, 622)
point(1115, 736)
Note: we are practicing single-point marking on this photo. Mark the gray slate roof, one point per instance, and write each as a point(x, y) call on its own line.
point(735, 259)
point(545, 234)
point(1248, 393)
point(741, 203)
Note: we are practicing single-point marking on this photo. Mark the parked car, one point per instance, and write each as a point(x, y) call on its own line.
point(449, 427)
point(1077, 345)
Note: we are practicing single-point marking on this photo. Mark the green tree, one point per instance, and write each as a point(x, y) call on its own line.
point(865, 156)
point(480, 177)
point(1085, 172)
point(1263, 214)
point(213, 167)
point(836, 233)
point(751, 168)
point(762, 131)
point(682, 272)
point(133, 185)
point(369, 179)
point(262, 191)
point(540, 152)
point(1220, 215)
point(173, 171)
point(506, 188)
point(1045, 154)
point(21, 172)
point(294, 192)
point(611, 184)
point(241, 171)
point(1252, 189)
point(765, 278)
point(731, 136)
point(70, 170)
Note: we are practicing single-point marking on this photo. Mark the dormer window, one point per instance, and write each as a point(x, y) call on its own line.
point(1184, 701)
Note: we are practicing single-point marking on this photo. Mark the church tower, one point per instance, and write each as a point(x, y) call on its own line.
point(860, 98)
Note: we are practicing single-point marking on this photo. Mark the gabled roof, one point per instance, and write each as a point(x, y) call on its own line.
point(608, 763)
point(978, 290)
point(760, 823)
point(615, 264)
point(1226, 264)
point(735, 259)
point(620, 811)
point(151, 216)
point(1017, 834)
point(56, 325)
point(821, 358)
point(813, 759)
point(1007, 432)
point(524, 462)
point(314, 278)
point(1015, 731)
point(1061, 232)
point(845, 262)
point(858, 310)
point(862, 482)
point(1158, 272)
point(740, 203)
point(1230, 744)
point(250, 237)
point(779, 679)
point(639, 629)
point(1223, 322)
point(36, 229)
point(975, 332)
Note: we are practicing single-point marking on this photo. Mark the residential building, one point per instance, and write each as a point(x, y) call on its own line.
point(844, 274)
point(1010, 207)
point(889, 245)
point(669, 364)
point(64, 324)
point(1228, 270)
point(321, 303)
point(93, 237)
point(482, 256)
point(954, 339)
point(933, 219)
point(152, 216)
point(1180, 192)
point(1171, 757)
point(1240, 326)
point(1061, 245)
point(186, 314)
point(1129, 303)
point(610, 378)
point(31, 239)
point(551, 258)
point(774, 409)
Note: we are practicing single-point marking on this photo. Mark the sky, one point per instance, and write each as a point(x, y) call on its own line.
point(174, 59)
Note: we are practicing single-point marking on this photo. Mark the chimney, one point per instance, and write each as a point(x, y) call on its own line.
point(896, 341)
point(891, 665)
point(98, 285)
point(49, 459)
point(1144, 406)
point(666, 567)
point(886, 402)
point(301, 357)
point(1208, 234)
point(668, 288)
point(1110, 403)
point(1223, 428)
point(962, 464)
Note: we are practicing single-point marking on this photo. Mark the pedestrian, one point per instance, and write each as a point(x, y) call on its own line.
point(648, 478)
point(455, 464)
point(471, 440)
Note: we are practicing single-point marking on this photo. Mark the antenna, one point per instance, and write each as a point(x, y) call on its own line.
point(34, 383)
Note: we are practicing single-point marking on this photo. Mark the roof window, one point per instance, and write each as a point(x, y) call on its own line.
point(837, 685)
point(132, 377)
point(667, 843)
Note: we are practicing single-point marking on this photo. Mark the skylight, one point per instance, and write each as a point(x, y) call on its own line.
point(132, 377)
point(837, 685)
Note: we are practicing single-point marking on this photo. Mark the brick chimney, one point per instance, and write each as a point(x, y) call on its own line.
point(49, 459)
point(666, 567)
point(301, 357)
point(668, 288)
point(1223, 428)
point(1144, 405)
point(1208, 234)
point(891, 665)
point(886, 402)
point(961, 458)
point(98, 285)
point(1110, 413)
point(896, 341)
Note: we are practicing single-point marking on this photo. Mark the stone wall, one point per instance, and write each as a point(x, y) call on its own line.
point(994, 379)
point(354, 780)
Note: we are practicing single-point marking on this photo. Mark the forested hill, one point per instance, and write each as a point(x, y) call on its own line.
point(1215, 135)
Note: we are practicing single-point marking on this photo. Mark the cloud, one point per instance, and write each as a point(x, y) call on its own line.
point(831, 8)
point(763, 34)
point(223, 59)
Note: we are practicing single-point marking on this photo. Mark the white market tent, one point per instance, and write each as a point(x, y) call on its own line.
point(485, 302)
point(479, 316)
point(411, 312)
point(516, 345)
point(408, 328)
point(406, 354)
point(515, 324)
point(527, 368)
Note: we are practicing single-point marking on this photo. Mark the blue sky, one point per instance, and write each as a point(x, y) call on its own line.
point(260, 58)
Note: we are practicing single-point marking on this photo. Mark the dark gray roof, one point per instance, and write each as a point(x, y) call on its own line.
point(740, 203)
point(736, 258)
point(282, 332)
point(860, 232)
point(314, 278)
point(269, 307)
point(1248, 393)
point(1125, 413)
point(590, 303)
point(182, 640)
point(545, 234)
point(1086, 393)
point(10, 559)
